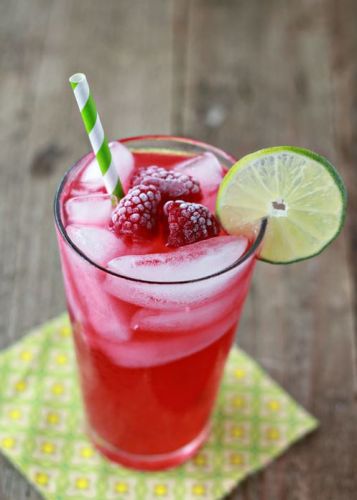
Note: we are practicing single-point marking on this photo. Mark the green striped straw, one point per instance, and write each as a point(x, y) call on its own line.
point(95, 131)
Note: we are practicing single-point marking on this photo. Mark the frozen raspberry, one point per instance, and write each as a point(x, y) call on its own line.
point(172, 185)
point(135, 215)
point(188, 223)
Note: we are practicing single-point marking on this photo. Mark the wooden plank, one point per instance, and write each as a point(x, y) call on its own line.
point(20, 46)
point(42, 43)
point(343, 48)
point(258, 74)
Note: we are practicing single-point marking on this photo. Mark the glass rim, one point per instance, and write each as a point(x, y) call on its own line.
point(62, 230)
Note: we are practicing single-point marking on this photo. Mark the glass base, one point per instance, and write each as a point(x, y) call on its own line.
point(149, 462)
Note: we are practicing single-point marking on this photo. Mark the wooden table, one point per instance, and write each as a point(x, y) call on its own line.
point(241, 74)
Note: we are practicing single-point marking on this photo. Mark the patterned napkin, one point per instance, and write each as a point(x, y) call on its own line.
point(41, 428)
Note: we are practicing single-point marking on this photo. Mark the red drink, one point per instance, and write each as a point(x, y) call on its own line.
point(152, 325)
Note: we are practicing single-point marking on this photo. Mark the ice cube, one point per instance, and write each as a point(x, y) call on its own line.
point(91, 174)
point(186, 263)
point(72, 299)
point(100, 245)
point(153, 352)
point(205, 168)
point(107, 315)
point(90, 305)
point(123, 160)
point(91, 209)
point(151, 320)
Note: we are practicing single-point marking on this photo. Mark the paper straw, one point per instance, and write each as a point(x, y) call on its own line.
point(96, 134)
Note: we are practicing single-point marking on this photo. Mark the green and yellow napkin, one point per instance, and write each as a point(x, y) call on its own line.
point(41, 428)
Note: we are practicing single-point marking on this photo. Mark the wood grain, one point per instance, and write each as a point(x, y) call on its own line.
point(241, 75)
point(258, 74)
point(42, 43)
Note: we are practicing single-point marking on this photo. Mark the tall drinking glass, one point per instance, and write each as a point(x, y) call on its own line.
point(150, 353)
